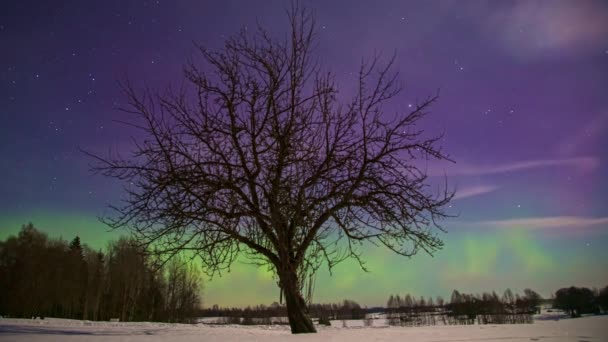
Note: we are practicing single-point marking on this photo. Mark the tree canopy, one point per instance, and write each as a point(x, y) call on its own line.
point(259, 154)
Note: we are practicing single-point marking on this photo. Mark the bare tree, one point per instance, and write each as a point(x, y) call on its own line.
point(257, 155)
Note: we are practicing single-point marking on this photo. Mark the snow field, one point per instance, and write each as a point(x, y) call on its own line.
point(586, 329)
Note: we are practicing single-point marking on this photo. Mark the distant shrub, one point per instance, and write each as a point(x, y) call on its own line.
point(602, 299)
point(324, 320)
point(265, 321)
point(575, 301)
point(232, 320)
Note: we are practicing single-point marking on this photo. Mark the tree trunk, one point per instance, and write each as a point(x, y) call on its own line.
point(123, 311)
point(96, 305)
point(85, 312)
point(297, 312)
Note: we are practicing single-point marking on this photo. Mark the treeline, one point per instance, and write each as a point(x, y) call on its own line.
point(277, 313)
point(581, 300)
point(486, 308)
point(348, 309)
point(259, 314)
point(461, 309)
point(42, 277)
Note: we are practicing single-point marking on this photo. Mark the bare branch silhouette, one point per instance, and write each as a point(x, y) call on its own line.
point(257, 155)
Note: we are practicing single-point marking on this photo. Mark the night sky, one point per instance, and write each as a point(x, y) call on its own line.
point(524, 109)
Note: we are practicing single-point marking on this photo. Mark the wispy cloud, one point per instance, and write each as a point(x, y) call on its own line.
point(546, 222)
point(585, 163)
point(533, 29)
point(474, 191)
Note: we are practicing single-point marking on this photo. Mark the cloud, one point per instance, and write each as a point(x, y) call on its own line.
point(585, 163)
point(474, 191)
point(533, 29)
point(546, 222)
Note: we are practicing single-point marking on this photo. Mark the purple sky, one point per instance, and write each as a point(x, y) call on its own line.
point(524, 109)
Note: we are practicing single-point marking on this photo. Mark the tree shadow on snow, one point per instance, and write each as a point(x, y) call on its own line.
point(23, 330)
point(30, 330)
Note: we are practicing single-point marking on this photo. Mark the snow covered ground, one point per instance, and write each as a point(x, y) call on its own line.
point(586, 329)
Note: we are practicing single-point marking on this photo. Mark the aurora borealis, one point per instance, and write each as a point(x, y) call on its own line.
point(523, 107)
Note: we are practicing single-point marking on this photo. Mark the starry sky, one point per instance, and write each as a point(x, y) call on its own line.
point(524, 109)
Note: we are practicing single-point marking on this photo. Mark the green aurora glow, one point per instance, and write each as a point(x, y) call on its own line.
point(471, 261)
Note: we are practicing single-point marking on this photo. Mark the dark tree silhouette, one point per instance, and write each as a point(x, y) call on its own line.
point(532, 300)
point(41, 277)
point(76, 280)
point(602, 298)
point(257, 155)
point(575, 300)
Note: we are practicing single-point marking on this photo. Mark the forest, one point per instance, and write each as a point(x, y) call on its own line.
point(40, 276)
